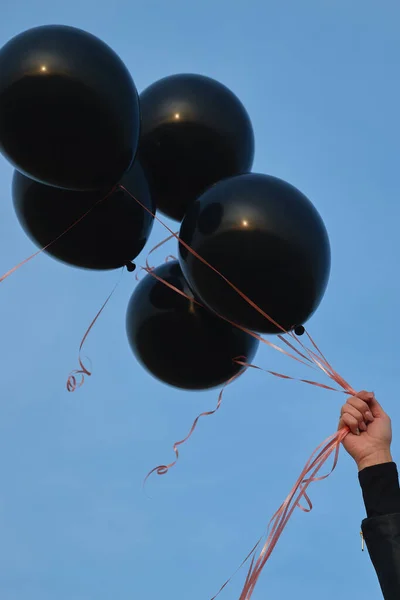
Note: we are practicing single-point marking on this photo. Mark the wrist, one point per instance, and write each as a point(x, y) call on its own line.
point(377, 458)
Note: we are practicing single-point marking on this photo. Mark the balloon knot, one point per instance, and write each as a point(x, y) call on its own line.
point(299, 330)
point(130, 267)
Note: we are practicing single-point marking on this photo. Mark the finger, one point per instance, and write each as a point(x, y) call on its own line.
point(354, 412)
point(366, 396)
point(362, 407)
point(375, 408)
point(351, 423)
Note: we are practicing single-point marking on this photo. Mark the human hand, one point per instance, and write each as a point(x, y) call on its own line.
point(370, 437)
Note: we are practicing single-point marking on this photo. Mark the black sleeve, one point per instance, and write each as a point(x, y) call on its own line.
point(380, 489)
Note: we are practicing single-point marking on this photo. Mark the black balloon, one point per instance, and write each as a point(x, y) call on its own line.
point(195, 131)
point(177, 341)
point(110, 235)
point(69, 109)
point(266, 238)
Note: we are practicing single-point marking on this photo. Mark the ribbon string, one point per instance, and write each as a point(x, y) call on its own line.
point(282, 376)
point(282, 516)
point(77, 377)
point(26, 260)
point(163, 469)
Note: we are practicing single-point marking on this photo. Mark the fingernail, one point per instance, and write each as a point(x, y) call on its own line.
point(358, 432)
point(363, 426)
point(369, 416)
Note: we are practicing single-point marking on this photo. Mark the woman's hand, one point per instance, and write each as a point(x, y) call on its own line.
point(370, 427)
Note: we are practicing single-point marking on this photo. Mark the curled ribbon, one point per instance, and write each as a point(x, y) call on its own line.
point(72, 382)
point(163, 469)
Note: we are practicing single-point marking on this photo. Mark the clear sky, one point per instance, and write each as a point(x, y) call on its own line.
point(320, 81)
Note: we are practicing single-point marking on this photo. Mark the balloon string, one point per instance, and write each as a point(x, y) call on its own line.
point(240, 361)
point(251, 555)
point(163, 469)
point(26, 260)
point(282, 516)
point(73, 382)
point(149, 268)
point(282, 513)
point(167, 239)
point(280, 519)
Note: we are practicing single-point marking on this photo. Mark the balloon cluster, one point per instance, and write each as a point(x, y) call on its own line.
point(93, 160)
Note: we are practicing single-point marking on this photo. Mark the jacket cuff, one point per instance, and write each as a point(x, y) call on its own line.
point(380, 489)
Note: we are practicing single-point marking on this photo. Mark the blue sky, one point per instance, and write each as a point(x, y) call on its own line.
point(320, 81)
